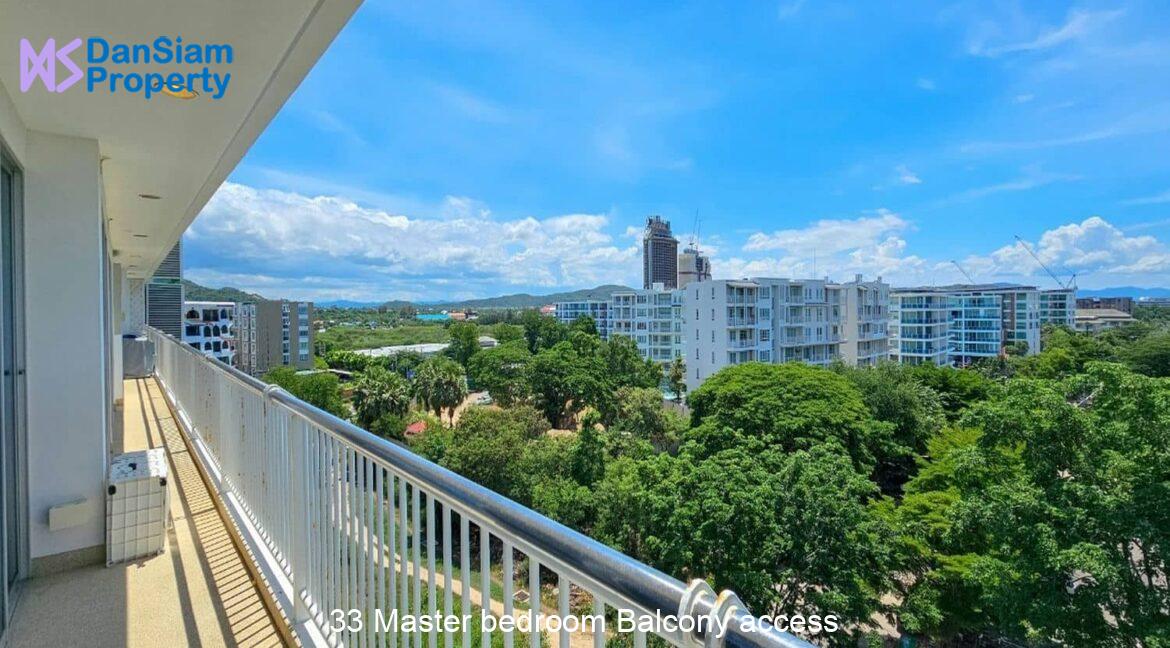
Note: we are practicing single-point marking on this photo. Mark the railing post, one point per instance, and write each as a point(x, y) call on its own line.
point(300, 481)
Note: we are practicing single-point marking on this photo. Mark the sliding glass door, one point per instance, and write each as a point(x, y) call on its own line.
point(11, 446)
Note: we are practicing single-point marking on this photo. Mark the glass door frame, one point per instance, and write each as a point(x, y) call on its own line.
point(16, 238)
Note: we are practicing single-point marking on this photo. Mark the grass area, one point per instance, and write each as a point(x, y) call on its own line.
point(350, 338)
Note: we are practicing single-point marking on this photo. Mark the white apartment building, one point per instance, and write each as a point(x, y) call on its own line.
point(919, 329)
point(730, 322)
point(865, 317)
point(1058, 306)
point(653, 318)
point(209, 327)
point(960, 324)
point(598, 309)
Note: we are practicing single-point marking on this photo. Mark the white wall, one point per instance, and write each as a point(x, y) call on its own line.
point(66, 337)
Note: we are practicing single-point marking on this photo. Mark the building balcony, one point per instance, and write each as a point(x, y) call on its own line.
point(322, 515)
point(741, 344)
point(200, 591)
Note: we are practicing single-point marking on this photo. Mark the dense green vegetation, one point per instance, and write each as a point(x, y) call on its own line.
point(1024, 499)
point(344, 338)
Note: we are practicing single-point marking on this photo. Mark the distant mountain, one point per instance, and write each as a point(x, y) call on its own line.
point(518, 300)
point(1124, 291)
point(194, 292)
point(346, 303)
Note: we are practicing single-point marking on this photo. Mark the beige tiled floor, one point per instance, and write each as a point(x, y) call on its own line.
point(197, 593)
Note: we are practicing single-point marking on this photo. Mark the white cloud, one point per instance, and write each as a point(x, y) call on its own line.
point(1091, 247)
point(1156, 199)
point(331, 246)
point(828, 236)
point(470, 105)
point(1077, 25)
point(1031, 177)
point(925, 84)
point(873, 246)
point(906, 176)
point(839, 248)
point(1024, 98)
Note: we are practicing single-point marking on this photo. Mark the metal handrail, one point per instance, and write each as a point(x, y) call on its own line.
point(619, 579)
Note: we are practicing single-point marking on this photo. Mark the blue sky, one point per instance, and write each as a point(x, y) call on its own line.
point(446, 150)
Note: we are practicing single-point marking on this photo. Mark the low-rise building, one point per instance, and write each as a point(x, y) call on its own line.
point(1123, 304)
point(210, 328)
point(1095, 320)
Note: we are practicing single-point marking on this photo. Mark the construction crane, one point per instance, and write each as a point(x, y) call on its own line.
point(969, 279)
point(1071, 281)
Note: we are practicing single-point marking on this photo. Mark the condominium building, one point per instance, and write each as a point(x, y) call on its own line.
point(652, 318)
point(693, 266)
point(209, 327)
point(865, 317)
point(960, 324)
point(919, 329)
point(729, 322)
point(598, 309)
point(274, 334)
point(659, 254)
point(1058, 307)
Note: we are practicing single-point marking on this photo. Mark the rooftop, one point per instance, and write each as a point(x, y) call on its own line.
point(983, 287)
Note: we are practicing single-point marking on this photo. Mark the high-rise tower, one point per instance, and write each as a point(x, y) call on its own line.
point(659, 254)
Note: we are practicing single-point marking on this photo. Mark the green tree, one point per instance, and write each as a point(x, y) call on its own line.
point(640, 412)
point(788, 532)
point(320, 389)
point(790, 407)
point(464, 342)
point(378, 392)
point(502, 371)
point(1051, 526)
point(676, 378)
point(505, 333)
point(584, 324)
point(563, 381)
point(440, 384)
point(1150, 355)
point(893, 395)
point(541, 331)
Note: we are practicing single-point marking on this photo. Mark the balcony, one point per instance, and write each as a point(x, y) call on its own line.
point(199, 592)
point(337, 518)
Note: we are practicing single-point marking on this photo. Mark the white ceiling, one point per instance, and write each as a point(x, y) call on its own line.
point(180, 150)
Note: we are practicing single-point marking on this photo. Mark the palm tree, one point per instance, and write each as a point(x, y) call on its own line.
point(377, 392)
point(440, 384)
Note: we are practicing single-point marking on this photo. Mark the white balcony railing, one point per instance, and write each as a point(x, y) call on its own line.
point(347, 520)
